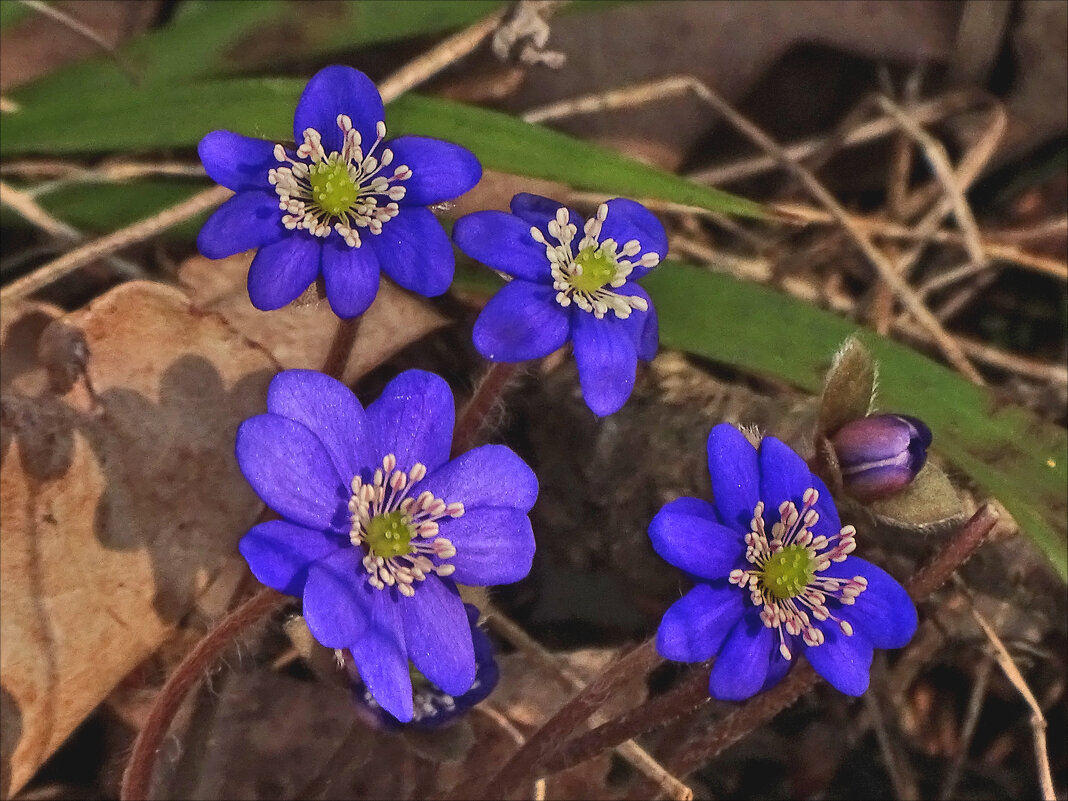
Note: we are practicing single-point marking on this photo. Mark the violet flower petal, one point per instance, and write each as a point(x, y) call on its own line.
point(438, 635)
point(330, 411)
point(279, 553)
point(291, 471)
point(522, 321)
point(607, 361)
point(350, 276)
point(413, 419)
point(440, 170)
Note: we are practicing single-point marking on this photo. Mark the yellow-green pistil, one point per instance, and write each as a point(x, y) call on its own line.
point(598, 269)
point(332, 188)
point(788, 572)
point(389, 535)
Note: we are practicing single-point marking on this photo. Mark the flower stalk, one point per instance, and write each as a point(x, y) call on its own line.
point(137, 777)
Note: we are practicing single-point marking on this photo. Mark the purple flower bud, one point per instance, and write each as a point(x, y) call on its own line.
point(881, 455)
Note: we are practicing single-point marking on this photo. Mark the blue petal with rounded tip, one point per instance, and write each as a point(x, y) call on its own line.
point(350, 276)
point(742, 666)
point(844, 661)
point(491, 475)
point(414, 250)
point(695, 626)
point(281, 272)
point(237, 162)
point(502, 241)
point(248, 220)
point(380, 652)
point(440, 170)
point(784, 476)
point(694, 543)
point(607, 360)
point(883, 612)
point(338, 90)
point(522, 321)
point(330, 411)
point(494, 545)
point(732, 462)
point(413, 419)
point(438, 635)
point(279, 554)
point(291, 471)
point(337, 608)
point(629, 220)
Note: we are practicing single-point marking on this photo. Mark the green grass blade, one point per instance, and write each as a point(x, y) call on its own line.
point(212, 37)
point(178, 116)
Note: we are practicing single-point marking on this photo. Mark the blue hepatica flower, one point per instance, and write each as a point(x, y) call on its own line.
point(345, 203)
point(774, 576)
point(433, 707)
point(378, 523)
point(569, 288)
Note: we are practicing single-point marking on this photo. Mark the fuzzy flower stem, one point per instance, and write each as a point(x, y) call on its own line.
point(545, 741)
point(692, 692)
point(472, 421)
point(341, 347)
point(137, 777)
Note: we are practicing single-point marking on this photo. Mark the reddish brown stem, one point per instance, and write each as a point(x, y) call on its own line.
point(137, 777)
point(690, 694)
point(472, 420)
point(337, 358)
point(544, 742)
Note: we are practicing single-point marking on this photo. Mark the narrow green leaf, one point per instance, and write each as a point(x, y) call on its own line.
point(179, 116)
point(1006, 450)
point(212, 37)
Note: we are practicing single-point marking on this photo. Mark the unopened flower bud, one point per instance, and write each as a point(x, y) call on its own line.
point(881, 455)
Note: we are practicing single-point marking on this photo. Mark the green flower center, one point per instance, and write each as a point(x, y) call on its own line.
point(332, 188)
point(788, 572)
point(597, 270)
point(389, 535)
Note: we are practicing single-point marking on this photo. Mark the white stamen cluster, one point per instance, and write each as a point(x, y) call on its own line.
point(296, 195)
point(795, 615)
point(565, 268)
point(389, 492)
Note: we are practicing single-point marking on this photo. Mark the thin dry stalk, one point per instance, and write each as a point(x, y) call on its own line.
point(901, 776)
point(85, 31)
point(106, 245)
point(943, 170)
point(440, 56)
point(996, 246)
point(878, 260)
point(633, 753)
point(1012, 673)
point(24, 205)
point(652, 91)
point(967, 729)
point(69, 172)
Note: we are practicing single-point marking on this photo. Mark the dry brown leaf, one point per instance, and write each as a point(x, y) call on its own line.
point(300, 334)
point(116, 513)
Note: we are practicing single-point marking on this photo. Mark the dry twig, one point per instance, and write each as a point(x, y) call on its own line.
point(1012, 673)
point(629, 750)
